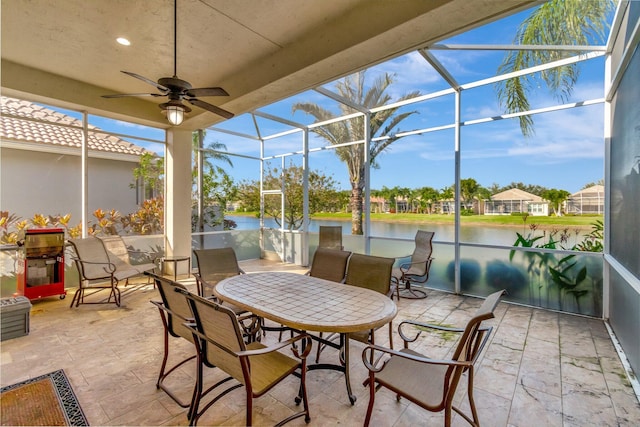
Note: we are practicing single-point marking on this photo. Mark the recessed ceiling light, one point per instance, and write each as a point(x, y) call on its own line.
point(123, 41)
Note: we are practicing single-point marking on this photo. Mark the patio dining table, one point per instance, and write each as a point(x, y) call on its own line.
point(308, 303)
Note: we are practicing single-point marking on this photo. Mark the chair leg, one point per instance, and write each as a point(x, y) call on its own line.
point(372, 398)
point(472, 403)
point(163, 373)
point(249, 418)
point(76, 297)
point(192, 414)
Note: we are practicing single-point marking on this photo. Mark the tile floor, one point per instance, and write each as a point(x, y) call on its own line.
point(539, 369)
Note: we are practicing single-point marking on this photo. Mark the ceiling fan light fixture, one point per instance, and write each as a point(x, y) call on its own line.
point(175, 111)
point(175, 115)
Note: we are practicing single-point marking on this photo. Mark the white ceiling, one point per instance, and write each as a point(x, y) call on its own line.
point(261, 51)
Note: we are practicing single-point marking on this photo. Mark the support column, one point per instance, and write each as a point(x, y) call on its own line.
point(178, 193)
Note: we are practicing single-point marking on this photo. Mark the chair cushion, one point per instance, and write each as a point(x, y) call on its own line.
point(268, 369)
point(423, 381)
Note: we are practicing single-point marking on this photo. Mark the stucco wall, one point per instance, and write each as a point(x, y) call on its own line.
point(35, 182)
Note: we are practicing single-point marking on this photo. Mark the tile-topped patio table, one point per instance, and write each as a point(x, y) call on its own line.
point(308, 303)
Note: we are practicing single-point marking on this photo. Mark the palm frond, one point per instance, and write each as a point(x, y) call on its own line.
point(556, 22)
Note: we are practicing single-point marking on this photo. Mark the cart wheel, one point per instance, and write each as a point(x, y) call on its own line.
point(63, 296)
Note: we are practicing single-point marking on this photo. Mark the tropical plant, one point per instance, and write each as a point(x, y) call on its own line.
point(555, 22)
point(568, 273)
point(150, 174)
point(593, 241)
point(382, 124)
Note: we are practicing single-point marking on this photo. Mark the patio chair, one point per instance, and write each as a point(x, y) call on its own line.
point(255, 366)
point(330, 237)
point(329, 264)
point(175, 312)
point(120, 256)
point(417, 269)
point(214, 265)
point(99, 268)
point(371, 272)
point(431, 383)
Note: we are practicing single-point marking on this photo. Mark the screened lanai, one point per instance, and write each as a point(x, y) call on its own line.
point(447, 133)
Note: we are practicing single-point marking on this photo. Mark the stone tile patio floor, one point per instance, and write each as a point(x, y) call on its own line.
point(540, 368)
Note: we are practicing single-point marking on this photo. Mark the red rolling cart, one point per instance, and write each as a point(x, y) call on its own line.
point(41, 264)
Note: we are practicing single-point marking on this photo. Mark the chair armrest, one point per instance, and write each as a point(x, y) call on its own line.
point(419, 324)
point(277, 346)
point(110, 270)
point(368, 354)
point(407, 265)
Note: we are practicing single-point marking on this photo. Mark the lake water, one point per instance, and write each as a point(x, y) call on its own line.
point(501, 235)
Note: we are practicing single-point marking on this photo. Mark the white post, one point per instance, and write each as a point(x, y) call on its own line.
point(178, 193)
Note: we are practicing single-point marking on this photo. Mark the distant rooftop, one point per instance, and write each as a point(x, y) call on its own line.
point(516, 194)
point(41, 127)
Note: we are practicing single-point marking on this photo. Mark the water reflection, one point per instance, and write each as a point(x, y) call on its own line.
point(500, 235)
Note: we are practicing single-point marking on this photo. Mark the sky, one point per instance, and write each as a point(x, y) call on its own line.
point(566, 152)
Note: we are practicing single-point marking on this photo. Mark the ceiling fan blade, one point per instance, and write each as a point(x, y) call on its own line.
point(146, 80)
point(212, 108)
point(207, 91)
point(123, 95)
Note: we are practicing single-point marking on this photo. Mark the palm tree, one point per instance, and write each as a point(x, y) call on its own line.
point(556, 22)
point(382, 123)
point(214, 180)
point(211, 152)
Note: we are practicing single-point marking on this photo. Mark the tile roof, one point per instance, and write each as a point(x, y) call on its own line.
point(14, 129)
point(516, 194)
point(594, 190)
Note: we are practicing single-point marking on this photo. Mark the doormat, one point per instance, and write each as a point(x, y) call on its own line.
point(47, 400)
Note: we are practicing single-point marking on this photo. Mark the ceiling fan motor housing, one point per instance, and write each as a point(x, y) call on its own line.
point(174, 84)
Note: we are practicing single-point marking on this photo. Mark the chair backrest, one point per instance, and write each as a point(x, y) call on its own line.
point(329, 264)
point(92, 252)
point(371, 272)
point(215, 265)
point(472, 338)
point(117, 251)
point(330, 237)
point(223, 335)
point(175, 306)
point(422, 252)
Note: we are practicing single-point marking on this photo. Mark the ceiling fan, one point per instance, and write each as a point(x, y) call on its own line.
point(178, 90)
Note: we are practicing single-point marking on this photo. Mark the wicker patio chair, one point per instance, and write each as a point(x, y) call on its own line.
point(175, 312)
point(330, 237)
point(417, 269)
point(431, 383)
point(255, 366)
